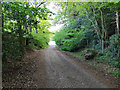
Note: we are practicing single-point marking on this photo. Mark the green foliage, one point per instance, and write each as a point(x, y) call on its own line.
point(90, 25)
point(12, 48)
point(115, 40)
point(40, 40)
point(59, 37)
point(108, 58)
point(26, 25)
point(89, 54)
point(73, 39)
point(116, 73)
point(67, 41)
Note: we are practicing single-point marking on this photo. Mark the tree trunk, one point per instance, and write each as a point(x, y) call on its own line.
point(1, 46)
point(2, 22)
point(26, 29)
point(117, 23)
point(30, 28)
point(102, 45)
point(103, 30)
point(96, 30)
point(20, 32)
point(36, 27)
point(118, 28)
point(25, 26)
point(36, 30)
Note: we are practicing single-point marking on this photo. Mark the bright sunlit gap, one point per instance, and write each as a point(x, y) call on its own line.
point(52, 7)
point(53, 28)
point(52, 43)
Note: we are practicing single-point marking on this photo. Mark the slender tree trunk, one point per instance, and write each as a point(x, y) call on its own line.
point(96, 22)
point(103, 30)
point(20, 32)
point(117, 23)
point(26, 29)
point(30, 28)
point(118, 28)
point(25, 26)
point(36, 30)
point(36, 27)
point(96, 30)
point(1, 46)
point(2, 22)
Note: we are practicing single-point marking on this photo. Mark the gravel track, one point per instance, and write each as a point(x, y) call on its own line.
point(62, 73)
point(49, 68)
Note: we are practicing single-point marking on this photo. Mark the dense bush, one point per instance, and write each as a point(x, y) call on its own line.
point(89, 54)
point(73, 39)
point(115, 45)
point(39, 40)
point(67, 40)
point(60, 37)
point(11, 47)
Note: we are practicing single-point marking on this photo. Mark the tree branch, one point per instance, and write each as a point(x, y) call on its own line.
point(40, 4)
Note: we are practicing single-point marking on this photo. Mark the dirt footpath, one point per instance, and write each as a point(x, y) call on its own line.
point(50, 68)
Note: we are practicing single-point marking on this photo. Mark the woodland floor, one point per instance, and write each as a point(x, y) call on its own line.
point(52, 68)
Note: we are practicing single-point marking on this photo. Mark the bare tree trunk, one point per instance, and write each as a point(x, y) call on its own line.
point(2, 22)
point(96, 21)
point(96, 30)
point(117, 23)
point(30, 28)
point(36, 30)
point(0, 46)
point(29, 24)
point(25, 27)
point(103, 30)
point(36, 27)
point(118, 28)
